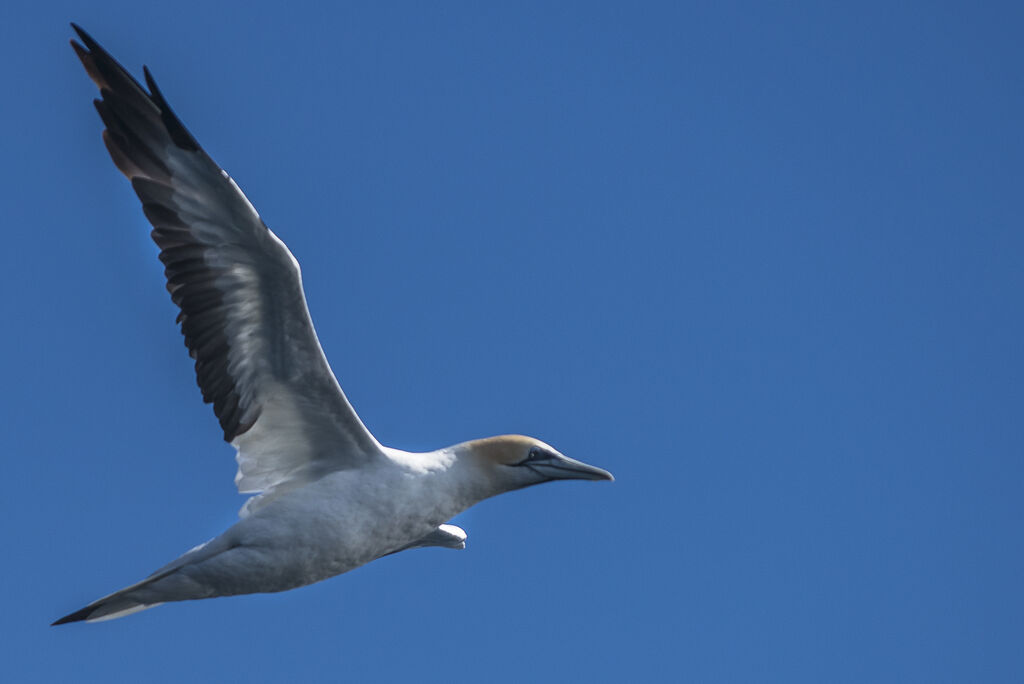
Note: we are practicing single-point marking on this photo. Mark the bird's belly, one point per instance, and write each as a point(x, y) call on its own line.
point(324, 529)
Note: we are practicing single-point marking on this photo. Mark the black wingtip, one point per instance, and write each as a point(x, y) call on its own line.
point(179, 134)
point(154, 91)
point(78, 615)
point(82, 52)
point(107, 73)
point(84, 35)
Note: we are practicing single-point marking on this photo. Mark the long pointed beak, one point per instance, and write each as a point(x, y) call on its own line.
point(564, 468)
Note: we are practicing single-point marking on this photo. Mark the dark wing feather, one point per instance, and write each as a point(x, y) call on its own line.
point(243, 312)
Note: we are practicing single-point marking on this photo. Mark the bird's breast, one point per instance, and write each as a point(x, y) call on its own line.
point(347, 519)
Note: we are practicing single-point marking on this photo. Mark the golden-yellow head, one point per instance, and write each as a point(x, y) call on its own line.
point(517, 461)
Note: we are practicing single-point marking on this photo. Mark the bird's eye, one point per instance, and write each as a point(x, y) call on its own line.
point(535, 454)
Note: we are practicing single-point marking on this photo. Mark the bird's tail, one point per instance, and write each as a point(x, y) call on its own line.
point(139, 596)
point(166, 584)
point(120, 603)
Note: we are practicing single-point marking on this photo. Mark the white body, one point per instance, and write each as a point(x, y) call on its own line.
point(328, 496)
point(335, 524)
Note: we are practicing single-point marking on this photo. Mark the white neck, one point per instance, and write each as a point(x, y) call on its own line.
point(455, 474)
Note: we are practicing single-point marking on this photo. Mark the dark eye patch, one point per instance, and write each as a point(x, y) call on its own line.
point(536, 454)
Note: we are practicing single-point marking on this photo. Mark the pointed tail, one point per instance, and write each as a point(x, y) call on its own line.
point(126, 601)
point(108, 608)
point(152, 591)
point(120, 603)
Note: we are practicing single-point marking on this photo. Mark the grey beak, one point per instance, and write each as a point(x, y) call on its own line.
point(564, 468)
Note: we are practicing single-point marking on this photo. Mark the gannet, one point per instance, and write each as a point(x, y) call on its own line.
point(328, 497)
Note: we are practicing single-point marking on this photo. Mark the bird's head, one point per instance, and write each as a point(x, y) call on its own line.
point(514, 461)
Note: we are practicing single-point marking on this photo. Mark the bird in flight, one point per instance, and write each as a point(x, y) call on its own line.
point(328, 497)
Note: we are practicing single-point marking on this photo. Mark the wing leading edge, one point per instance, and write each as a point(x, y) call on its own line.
point(239, 290)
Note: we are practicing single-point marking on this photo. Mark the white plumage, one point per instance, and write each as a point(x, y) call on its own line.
point(328, 496)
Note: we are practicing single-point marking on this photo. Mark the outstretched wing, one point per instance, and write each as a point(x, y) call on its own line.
point(243, 311)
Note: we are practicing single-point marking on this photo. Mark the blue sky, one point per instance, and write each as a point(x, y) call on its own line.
point(761, 261)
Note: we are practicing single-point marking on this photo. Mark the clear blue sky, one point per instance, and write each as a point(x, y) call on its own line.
point(761, 262)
